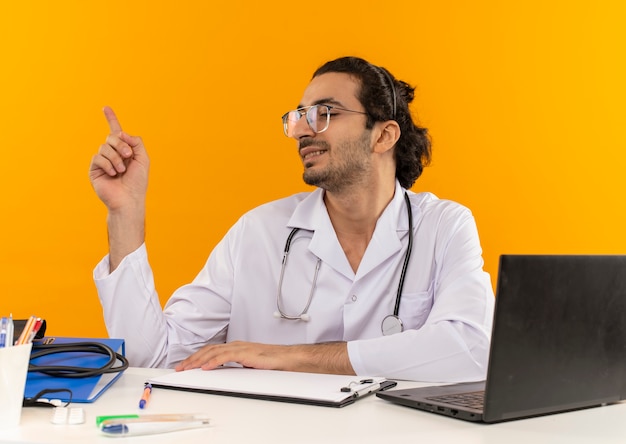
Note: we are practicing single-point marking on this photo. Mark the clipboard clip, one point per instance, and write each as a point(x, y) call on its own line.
point(367, 386)
point(349, 387)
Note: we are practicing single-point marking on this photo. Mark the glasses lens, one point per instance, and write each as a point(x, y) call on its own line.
point(317, 116)
point(289, 121)
point(312, 117)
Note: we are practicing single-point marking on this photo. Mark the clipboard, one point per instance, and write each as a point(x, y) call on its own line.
point(274, 385)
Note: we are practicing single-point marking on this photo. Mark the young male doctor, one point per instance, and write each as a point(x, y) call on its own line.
point(378, 280)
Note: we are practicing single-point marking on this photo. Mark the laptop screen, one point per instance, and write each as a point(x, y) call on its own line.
point(559, 339)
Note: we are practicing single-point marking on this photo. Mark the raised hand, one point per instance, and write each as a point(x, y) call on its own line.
point(119, 171)
point(119, 175)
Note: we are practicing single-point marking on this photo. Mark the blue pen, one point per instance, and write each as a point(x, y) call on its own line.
point(3, 331)
point(147, 390)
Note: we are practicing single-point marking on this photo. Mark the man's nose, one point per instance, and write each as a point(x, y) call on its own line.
point(301, 128)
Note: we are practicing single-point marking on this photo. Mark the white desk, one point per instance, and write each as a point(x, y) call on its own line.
point(370, 420)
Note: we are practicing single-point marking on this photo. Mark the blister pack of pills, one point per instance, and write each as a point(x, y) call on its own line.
point(68, 415)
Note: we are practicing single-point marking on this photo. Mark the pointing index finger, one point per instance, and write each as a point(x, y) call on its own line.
point(114, 124)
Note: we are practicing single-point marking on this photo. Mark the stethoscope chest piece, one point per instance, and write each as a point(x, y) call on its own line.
point(391, 325)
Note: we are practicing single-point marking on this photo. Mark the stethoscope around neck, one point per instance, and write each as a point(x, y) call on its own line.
point(390, 325)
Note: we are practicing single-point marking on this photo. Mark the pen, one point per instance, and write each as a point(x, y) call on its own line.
point(9, 336)
point(6, 332)
point(147, 390)
point(4, 324)
point(28, 328)
point(36, 326)
point(131, 425)
point(366, 390)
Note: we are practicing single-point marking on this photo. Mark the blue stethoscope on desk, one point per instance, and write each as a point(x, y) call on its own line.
point(390, 325)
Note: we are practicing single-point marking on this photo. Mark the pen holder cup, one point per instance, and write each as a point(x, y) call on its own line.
point(13, 370)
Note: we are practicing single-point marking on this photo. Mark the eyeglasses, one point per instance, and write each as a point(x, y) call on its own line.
point(317, 116)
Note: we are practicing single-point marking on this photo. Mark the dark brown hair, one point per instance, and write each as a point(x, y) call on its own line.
point(387, 98)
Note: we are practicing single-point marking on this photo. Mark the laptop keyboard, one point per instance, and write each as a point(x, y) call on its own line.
point(472, 400)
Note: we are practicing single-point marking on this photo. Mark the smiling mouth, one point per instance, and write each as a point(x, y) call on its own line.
point(313, 154)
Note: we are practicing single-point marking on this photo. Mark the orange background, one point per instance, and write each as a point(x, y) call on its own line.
point(524, 102)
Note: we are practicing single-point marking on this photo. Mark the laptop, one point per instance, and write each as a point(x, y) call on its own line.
point(558, 342)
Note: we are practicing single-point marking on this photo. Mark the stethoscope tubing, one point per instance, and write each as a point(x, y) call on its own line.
point(303, 314)
point(407, 256)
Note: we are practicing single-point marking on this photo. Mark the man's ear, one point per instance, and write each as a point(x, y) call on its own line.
point(387, 135)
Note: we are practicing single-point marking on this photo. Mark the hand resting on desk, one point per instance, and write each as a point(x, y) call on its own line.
point(329, 357)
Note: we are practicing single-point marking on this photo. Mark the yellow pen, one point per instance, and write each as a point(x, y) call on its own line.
point(23, 338)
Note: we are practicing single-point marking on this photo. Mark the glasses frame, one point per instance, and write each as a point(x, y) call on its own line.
point(310, 114)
